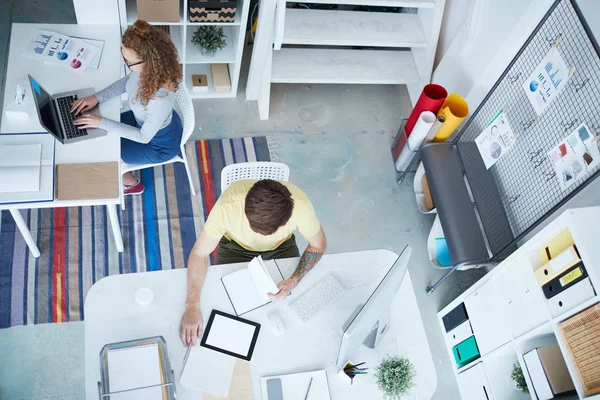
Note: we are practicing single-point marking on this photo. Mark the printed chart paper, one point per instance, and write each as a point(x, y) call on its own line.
point(496, 140)
point(546, 81)
point(575, 156)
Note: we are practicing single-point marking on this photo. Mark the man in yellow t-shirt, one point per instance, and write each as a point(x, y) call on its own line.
point(252, 218)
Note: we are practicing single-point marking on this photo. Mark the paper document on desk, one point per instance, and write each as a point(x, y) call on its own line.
point(247, 288)
point(208, 371)
point(54, 48)
point(20, 168)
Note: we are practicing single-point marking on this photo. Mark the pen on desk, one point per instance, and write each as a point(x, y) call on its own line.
point(185, 358)
point(308, 390)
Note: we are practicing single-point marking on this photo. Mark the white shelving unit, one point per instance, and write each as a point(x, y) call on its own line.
point(298, 45)
point(510, 315)
point(191, 59)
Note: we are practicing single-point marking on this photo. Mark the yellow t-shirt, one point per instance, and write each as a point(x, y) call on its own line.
point(227, 218)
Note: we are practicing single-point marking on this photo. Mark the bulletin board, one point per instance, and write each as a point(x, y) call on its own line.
point(524, 180)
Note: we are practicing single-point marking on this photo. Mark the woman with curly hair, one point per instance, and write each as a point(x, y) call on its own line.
point(151, 131)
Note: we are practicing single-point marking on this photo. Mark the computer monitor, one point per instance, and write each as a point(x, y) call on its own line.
point(368, 324)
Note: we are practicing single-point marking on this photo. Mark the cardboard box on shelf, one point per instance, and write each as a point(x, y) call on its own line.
point(199, 83)
point(158, 10)
point(220, 75)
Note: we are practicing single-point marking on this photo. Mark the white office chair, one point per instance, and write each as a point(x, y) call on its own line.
point(186, 110)
point(253, 170)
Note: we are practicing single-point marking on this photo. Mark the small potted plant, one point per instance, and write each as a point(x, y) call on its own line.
point(210, 38)
point(395, 376)
point(518, 378)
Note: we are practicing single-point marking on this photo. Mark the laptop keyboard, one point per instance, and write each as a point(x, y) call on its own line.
point(64, 106)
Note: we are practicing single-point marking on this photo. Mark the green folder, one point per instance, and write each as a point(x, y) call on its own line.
point(466, 351)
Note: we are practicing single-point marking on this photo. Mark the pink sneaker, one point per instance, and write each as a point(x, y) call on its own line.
point(138, 188)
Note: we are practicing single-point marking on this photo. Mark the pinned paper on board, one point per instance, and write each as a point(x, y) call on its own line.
point(546, 81)
point(496, 140)
point(575, 156)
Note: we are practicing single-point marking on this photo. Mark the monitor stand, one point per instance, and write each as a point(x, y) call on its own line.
point(380, 328)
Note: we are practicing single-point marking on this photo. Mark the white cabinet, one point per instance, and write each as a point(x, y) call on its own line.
point(487, 318)
point(521, 299)
point(473, 384)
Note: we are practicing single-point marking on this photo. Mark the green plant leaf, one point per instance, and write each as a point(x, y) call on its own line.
point(395, 376)
point(210, 37)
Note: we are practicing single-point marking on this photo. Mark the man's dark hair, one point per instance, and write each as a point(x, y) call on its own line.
point(268, 206)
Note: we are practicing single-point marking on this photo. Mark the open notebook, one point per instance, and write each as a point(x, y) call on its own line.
point(247, 288)
point(136, 367)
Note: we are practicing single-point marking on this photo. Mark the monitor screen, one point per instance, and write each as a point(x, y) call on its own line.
point(43, 103)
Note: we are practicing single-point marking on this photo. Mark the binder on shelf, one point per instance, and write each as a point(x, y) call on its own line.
point(460, 333)
point(557, 265)
point(455, 317)
point(571, 297)
point(548, 372)
point(556, 246)
point(565, 280)
point(466, 351)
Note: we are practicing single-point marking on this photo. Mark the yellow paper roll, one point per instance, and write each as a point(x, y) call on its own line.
point(454, 109)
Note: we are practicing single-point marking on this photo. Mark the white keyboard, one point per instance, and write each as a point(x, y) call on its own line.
point(317, 298)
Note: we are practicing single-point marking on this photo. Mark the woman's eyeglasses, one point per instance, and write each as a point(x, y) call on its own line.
point(129, 65)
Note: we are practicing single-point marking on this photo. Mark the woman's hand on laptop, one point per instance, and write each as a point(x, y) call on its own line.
point(85, 104)
point(88, 121)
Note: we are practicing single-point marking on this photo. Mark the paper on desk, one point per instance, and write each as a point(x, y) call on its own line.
point(135, 367)
point(208, 371)
point(20, 168)
point(294, 386)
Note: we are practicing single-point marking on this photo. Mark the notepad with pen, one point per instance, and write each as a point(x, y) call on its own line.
point(294, 386)
point(136, 370)
point(247, 288)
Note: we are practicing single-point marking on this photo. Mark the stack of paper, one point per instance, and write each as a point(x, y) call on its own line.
point(20, 168)
point(132, 368)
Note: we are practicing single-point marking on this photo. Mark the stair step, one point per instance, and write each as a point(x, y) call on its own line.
point(292, 65)
point(352, 28)
point(379, 3)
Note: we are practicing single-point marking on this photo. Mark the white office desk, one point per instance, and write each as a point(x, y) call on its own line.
point(112, 315)
point(56, 79)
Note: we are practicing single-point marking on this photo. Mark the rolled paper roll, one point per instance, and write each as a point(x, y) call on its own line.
point(421, 129)
point(431, 99)
point(435, 129)
point(454, 109)
point(398, 145)
point(405, 158)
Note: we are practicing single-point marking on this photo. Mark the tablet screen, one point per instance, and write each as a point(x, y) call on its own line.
point(230, 335)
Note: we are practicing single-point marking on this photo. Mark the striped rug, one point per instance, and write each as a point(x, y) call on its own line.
point(159, 230)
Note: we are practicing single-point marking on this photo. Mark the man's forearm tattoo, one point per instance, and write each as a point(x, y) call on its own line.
point(309, 259)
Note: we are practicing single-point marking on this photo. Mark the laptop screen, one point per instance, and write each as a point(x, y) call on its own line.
point(43, 103)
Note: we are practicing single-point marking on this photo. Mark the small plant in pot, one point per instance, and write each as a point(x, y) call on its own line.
point(395, 377)
point(518, 378)
point(210, 38)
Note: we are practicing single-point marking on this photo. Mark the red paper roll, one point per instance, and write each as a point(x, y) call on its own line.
point(431, 99)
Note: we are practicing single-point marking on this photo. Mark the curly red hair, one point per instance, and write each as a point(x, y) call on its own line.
point(161, 61)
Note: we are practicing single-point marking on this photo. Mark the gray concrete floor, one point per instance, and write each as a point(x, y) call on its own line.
point(336, 140)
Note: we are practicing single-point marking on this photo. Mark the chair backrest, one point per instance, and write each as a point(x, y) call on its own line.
point(186, 108)
point(253, 170)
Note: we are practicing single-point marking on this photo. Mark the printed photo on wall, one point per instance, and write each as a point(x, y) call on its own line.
point(575, 157)
point(546, 81)
point(495, 140)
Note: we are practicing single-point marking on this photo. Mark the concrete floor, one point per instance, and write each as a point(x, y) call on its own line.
point(336, 140)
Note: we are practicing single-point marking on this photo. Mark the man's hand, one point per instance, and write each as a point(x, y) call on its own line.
point(190, 328)
point(285, 287)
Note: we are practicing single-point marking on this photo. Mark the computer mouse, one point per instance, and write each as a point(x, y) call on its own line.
point(275, 324)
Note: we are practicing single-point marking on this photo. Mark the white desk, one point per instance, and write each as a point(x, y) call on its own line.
point(56, 79)
point(112, 315)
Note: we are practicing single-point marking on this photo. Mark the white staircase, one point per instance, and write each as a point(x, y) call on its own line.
point(404, 43)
